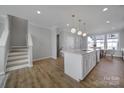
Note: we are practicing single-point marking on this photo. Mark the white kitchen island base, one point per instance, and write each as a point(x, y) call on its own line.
point(78, 63)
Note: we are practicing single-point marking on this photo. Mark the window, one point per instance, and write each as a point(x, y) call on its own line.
point(112, 41)
point(106, 41)
point(90, 42)
point(100, 39)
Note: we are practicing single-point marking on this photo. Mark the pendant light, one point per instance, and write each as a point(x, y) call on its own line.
point(73, 29)
point(79, 32)
point(84, 34)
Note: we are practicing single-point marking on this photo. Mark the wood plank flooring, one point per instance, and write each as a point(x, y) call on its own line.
point(49, 73)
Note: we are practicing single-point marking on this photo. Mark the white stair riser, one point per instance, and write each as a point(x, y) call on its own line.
point(16, 47)
point(18, 58)
point(17, 67)
point(14, 58)
point(19, 50)
point(18, 54)
point(17, 62)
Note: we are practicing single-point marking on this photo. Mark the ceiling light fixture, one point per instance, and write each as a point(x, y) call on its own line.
point(73, 29)
point(105, 9)
point(38, 12)
point(84, 34)
point(79, 32)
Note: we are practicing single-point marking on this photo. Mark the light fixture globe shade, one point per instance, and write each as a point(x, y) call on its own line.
point(73, 30)
point(79, 32)
point(84, 34)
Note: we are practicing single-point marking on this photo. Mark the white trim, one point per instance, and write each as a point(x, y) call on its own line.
point(38, 59)
point(23, 61)
point(19, 47)
point(2, 73)
point(17, 67)
point(4, 82)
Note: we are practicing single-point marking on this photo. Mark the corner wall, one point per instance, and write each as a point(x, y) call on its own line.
point(41, 38)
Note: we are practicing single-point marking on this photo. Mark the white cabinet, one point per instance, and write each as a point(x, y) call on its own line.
point(78, 65)
point(88, 62)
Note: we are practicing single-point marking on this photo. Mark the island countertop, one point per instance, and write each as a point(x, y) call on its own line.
point(78, 51)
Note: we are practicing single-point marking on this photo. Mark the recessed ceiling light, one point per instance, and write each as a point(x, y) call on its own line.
point(105, 9)
point(67, 24)
point(107, 22)
point(38, 12)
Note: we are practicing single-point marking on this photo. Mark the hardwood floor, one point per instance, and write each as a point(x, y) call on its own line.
point(49, 73)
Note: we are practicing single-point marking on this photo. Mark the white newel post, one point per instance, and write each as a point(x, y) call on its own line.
point(30, 44)
point(30, 56)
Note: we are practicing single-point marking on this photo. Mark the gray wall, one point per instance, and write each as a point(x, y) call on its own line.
point(41, 38)
point(18, 31)
point(69, 40)
point(53, 41)
point(1, 28)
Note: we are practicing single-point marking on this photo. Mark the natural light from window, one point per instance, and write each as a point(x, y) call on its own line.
point(112, 41)
point(106, 41)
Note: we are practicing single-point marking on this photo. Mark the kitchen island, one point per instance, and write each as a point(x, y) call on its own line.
point(78, 63)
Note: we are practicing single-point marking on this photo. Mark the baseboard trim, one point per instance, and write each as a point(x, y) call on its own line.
point(38, 59)
point(30, 65)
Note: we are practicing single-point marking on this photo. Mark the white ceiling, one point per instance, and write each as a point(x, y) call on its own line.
point(61, 15)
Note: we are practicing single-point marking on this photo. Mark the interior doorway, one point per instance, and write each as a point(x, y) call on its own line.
point(60, 59)
point(58, 47)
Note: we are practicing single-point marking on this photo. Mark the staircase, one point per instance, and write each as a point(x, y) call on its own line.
point(17, 58)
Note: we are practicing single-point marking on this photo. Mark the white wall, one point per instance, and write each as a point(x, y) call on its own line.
point(54, 42)
point(4, 47)
point(121, 39)
point(41, 38)
point(18, 31)
point(121, 43)
point(1, 24)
